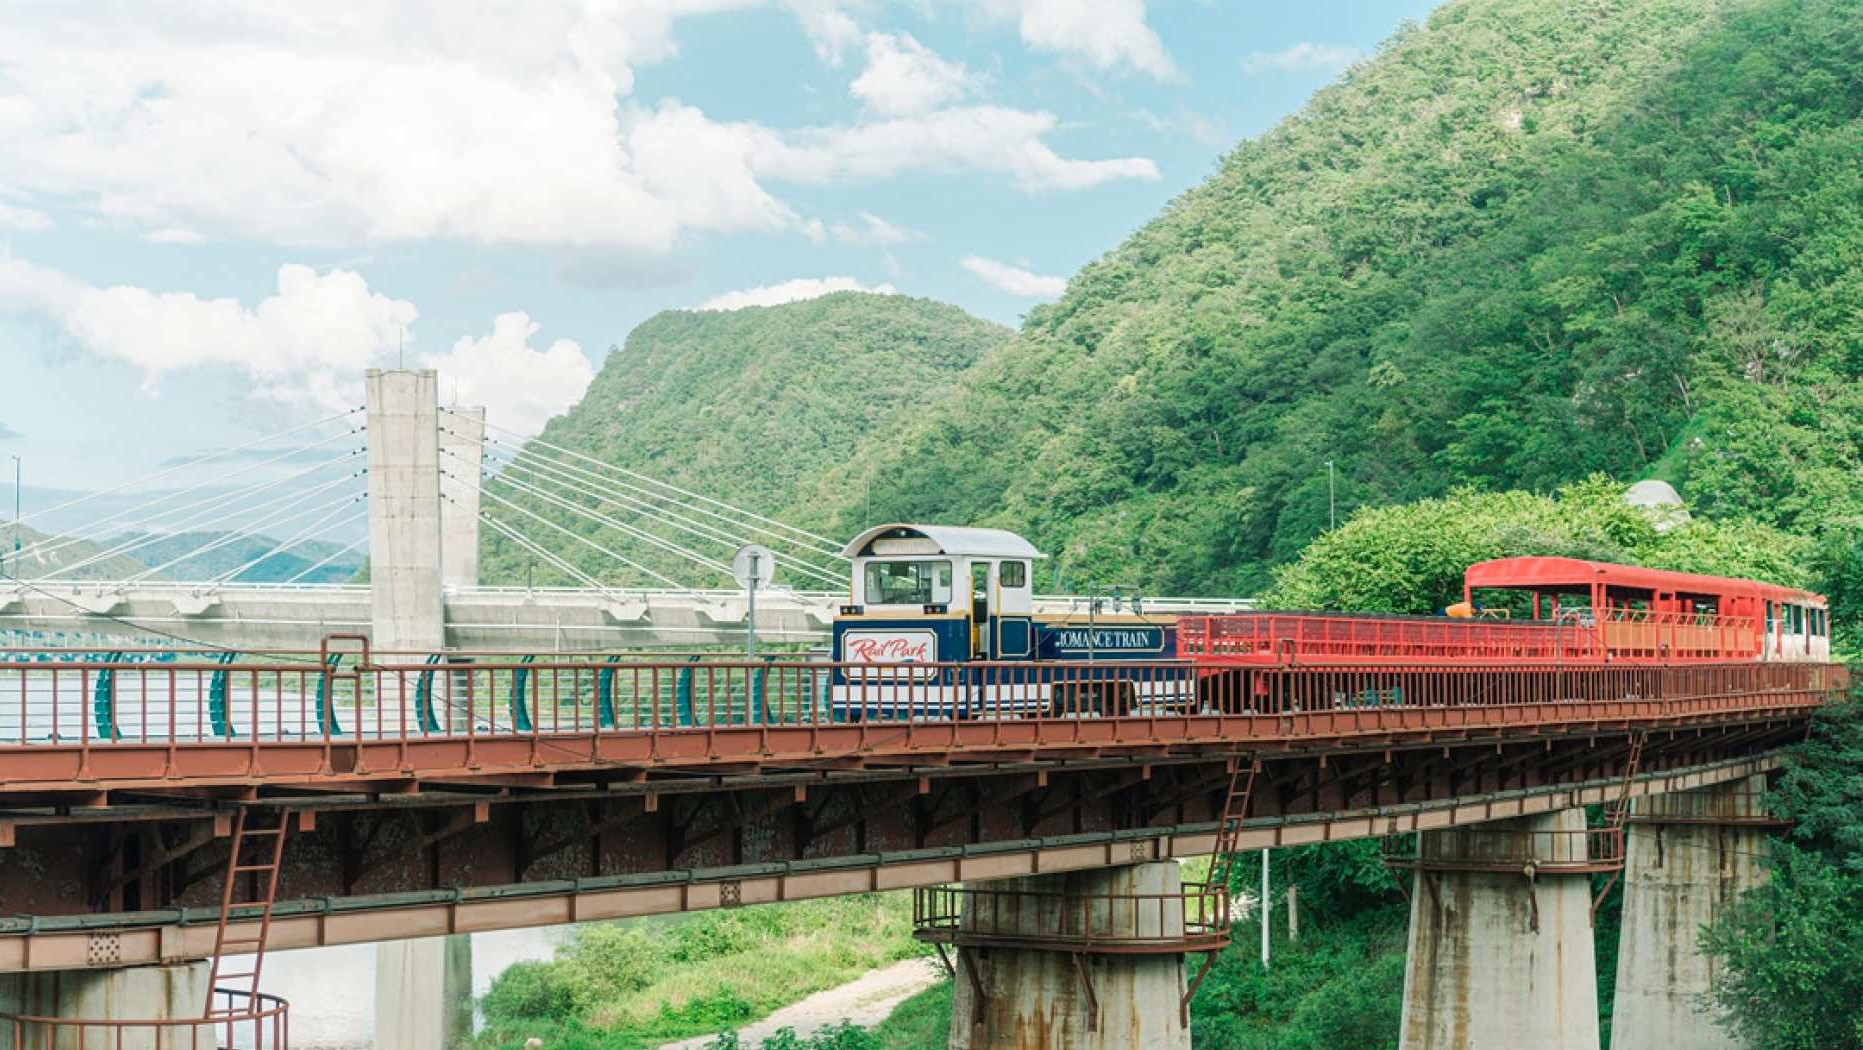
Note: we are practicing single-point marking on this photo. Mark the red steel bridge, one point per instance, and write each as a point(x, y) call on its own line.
point(436, 794)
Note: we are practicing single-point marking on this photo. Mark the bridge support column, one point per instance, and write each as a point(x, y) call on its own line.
point(1500, 957)
point(462, 446)
point(408, 610)
point(423, 993)
point(1690, 855)
point(1059, 998)
point(423, 989)
point(144, 993)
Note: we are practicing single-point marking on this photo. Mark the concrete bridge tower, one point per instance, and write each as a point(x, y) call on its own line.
point(418, 546)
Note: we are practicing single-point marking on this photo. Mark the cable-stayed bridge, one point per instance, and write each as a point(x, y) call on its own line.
point(418, 498)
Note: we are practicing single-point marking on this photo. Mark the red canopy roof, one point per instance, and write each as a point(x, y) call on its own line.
point(1544, 573)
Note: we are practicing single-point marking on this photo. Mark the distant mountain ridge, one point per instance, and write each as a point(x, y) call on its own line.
point(257, 556)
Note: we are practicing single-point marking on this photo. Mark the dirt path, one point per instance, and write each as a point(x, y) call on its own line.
point(866, 1001)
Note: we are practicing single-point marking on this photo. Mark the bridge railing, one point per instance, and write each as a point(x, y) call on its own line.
point(1195, 918)
point(236, 1020)
point(198, 700)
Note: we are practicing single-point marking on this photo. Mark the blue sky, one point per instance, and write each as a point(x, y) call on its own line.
point(210, 226)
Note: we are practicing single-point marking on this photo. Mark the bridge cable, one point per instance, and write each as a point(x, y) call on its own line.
point(689, 494)
point(321, 525)
point(619, 526)
point(212, 510)
point(220, 454)
point(658, 514)
point(252, 528)
point(96, 530)
point(578, 537)
point(333, 555)
point(525, 453)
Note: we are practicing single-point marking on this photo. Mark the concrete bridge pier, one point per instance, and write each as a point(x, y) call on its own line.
point(1501, 951)
point(423, 993)
point(144, 993)
point(423, 988)
point(1690, 855)
point(1062, 996)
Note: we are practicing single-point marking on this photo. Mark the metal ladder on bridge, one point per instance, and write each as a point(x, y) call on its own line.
point(255, 856)
point(1222, 863)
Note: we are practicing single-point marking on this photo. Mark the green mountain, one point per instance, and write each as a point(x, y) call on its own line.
point(1523, 243)
point(750, 406)
point(74, 559)
point(318, 561)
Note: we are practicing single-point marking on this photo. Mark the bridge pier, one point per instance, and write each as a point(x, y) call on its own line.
point(1061, 996)
point(423, 988)
point(1501, 951)
point(1690, 855)
point(423, 993)
point(408, 609)
point(143, 993)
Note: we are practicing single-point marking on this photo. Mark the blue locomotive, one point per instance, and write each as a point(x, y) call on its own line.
point(942, 623)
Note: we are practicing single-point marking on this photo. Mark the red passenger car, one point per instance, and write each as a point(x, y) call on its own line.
point(1540, 610)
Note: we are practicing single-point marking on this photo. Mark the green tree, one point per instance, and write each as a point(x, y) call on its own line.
point(1792, 974)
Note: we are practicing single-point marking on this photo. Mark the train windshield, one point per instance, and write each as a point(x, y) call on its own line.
point(908, 582)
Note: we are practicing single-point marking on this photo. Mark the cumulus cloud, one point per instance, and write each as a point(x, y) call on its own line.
point(304, 347)
point(520, 387)
point(791, 291)
point(1304, 57)
point(977, 138)
point(1109, 34)
point(904, 77)
point(868, 228)
point(1014, 279)
point(377, 120)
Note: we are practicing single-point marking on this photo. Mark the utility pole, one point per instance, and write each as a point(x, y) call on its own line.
point(1266, 909)
point(1332, 505)
point(750, 607)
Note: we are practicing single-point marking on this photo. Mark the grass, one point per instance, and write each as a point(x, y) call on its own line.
point(922, 1022)
point(629, 985)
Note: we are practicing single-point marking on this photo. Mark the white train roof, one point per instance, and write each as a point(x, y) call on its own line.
point(959, 540)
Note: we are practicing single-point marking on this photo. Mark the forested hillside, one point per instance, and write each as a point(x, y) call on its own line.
point(1523, 243)
point(749, 406)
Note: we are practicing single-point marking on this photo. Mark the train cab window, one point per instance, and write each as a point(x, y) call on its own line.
point(908, 582)
point(1015, 574)
point(979, 591)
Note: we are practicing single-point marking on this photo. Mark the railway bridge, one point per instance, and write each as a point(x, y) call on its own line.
point(419, 799)
point(166, 818)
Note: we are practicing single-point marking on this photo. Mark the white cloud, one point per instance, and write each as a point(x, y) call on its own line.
point(1107, 33)
point(381, 121)
point(904, 77)
point(791, 291)
point(304, 347)
point(1014, 279)
point(24, 219)
point(829, 27)
point(1304, 57)
point(520, 387)
point(300, 345)
point(973, 138)
point(869, 228)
